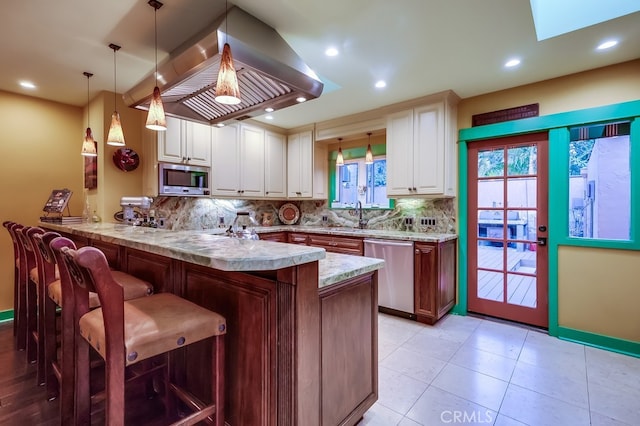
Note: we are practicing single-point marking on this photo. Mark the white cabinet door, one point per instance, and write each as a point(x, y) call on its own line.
point(251, 158)
point(275, 165)
point(198, 143)
point(320, 172)
point(225, 167)
point(170, 142)
point(428, 149)
point(400, 159)
point(300, 165)
point(185, 142)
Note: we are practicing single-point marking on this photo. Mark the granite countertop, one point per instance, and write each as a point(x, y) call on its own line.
point(210, 248)
point(365, 233)
point(335, 267)
point(199, 247)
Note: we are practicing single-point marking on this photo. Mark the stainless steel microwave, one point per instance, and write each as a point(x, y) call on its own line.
point(183, 180)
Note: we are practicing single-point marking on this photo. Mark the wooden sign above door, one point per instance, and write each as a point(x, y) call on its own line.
point(516, 113)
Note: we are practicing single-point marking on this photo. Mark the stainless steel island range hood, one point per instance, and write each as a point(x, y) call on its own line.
point(270, 73)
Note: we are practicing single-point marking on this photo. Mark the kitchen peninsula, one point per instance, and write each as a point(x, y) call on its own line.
point(302, 323)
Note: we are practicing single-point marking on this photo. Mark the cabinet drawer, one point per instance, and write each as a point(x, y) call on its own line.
point(296, 238)
point(346, 245)
point(279, 237)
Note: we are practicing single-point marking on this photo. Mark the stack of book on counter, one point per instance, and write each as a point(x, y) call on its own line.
point(65, 220)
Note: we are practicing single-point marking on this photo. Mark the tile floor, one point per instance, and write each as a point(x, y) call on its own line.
point(467, 370)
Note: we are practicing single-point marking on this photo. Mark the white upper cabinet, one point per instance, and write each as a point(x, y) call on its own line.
point(238, 161)
point(306, 167)
point(421, 151)
point(275, 165)
point(300, 165)
point(185, 142)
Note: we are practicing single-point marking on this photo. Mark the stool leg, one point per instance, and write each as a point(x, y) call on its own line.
point(50, 348)
point(114, 382)
point(217, 384)
point(32, 322)
point(82, 382)
point(20, 312)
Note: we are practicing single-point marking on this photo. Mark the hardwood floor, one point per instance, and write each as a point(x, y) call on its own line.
point(22, 402)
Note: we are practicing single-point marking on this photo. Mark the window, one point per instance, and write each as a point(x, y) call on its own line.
point(357, 181)
point(600, 182)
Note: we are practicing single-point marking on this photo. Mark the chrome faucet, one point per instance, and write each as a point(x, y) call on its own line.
point(361, 223)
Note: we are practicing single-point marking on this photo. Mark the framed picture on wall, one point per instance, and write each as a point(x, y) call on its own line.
point(91, 171)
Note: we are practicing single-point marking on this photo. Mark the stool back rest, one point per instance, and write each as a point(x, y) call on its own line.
point(89, 268)
point(27, 250)
point(10, 228)
point(74, 305)
point(44, 255)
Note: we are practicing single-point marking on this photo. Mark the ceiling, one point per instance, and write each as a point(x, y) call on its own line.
point(419, 47)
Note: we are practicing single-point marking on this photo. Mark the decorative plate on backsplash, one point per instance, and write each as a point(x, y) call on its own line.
point(126, 159)
point(289, 214)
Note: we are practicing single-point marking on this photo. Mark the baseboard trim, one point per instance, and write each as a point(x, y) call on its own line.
point(614, 344)
point(6, 315)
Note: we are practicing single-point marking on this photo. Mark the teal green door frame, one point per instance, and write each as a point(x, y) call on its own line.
point(557, 127)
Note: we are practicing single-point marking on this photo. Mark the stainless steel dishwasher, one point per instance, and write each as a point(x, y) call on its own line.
point(395, 280)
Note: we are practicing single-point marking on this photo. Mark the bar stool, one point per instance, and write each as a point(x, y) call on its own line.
point(144, 328)
point(29, 271)
point(60, 370)
point(20, 291)
point(8, 224)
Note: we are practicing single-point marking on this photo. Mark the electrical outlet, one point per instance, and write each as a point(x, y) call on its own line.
point(427, 221)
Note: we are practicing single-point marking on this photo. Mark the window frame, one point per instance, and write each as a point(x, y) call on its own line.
point(379, 150)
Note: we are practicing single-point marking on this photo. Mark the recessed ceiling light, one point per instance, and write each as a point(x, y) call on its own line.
point(512, 63)
point(220, 125)
point(381, 84)
point(27, 84)
point(301, 99)
point(268, 117)
point(331, 51)
point(607, 44)
point(269, 109)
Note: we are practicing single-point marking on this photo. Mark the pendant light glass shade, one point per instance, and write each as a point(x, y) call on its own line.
point(340, 157)
point(368, 157)
point(116, 136)
point(156, 119)
point(227, 89)
point(88, 144)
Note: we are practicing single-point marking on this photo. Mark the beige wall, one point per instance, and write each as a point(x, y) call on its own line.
point(603, 86)
point(597, 289)
point(40, 144)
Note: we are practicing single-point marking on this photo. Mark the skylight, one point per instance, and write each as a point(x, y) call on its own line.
point(553, 18)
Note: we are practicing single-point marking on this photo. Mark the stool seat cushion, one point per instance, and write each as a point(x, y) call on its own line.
point(155, 324)
point(133, 288)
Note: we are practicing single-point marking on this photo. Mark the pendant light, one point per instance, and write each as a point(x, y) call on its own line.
point(156, 119)
point(227, 89)
point(116, 136)
point(88, 144)
point(340, 157)
point(368, 157)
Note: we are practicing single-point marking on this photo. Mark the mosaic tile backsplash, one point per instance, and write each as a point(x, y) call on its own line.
point(188, 213)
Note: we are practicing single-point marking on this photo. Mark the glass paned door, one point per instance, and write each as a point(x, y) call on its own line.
point(507, 228)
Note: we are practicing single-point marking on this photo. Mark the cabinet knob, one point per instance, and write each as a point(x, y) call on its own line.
point(298, 193)
point(417, 251)
point(414, 188)
point(267, 192)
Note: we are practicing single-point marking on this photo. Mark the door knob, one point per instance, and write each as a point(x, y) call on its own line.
point(542, 241)
point(542, 228)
